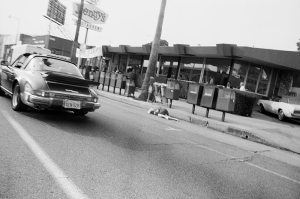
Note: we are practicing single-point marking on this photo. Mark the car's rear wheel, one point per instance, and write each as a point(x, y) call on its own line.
point(80, 112)
point(281, 115)
point(16, 102)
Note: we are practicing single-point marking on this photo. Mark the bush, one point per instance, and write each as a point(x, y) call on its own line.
point(244, 103)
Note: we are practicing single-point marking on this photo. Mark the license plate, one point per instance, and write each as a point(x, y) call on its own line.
point(71, 104)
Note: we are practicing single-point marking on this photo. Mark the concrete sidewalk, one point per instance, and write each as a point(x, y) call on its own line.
point(282, 135)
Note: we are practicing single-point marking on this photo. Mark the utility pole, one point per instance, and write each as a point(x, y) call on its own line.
point(154, 53)
point(75, 42)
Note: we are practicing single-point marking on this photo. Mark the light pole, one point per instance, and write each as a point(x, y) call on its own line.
point(75, 42)
point(18, 27)
point(154, 53)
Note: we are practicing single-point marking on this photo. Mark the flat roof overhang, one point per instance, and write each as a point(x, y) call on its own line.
point(274, 58)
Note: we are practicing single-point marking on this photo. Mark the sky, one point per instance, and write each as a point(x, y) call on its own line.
point(271, 24)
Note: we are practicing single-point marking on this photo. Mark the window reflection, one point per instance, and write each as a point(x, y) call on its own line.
point(217, 71)
point(264, 81)
point(238, 74)
point(191, 69)
point(252, 78)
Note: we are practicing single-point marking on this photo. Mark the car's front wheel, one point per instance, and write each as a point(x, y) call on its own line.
point(16, 101)
point(281, 115)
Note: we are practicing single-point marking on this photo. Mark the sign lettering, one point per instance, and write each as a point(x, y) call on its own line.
point(90, 14)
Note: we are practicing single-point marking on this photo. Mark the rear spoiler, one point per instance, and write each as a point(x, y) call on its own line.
point(56, 77)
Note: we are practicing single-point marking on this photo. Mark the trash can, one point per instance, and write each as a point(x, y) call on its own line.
point(209, 98)
point(194, 94)
point(225, 101)
point(244, 103)
point(107, 80)
point(121, 82)
point(113, 81)
point(102, 79)
point(172, 90)
point(184, 87)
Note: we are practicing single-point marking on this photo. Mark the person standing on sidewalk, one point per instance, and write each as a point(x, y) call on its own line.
point(132, 81)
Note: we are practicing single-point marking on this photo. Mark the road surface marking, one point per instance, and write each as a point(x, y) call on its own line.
point(66, 184)
point(172, 129)
point(248, 163)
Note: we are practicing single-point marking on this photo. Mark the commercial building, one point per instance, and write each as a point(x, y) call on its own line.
point(57, 45)
point(266, 72)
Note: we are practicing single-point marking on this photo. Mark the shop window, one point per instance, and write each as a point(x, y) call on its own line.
point(284, 83)
point(264, 81)
point(238, 74)
point(191, 69)
point(169, 68)
point(217, 71)
point(296, 79)
point(123, 63)
point(252, 78)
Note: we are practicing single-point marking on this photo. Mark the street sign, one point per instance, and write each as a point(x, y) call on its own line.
point(94, 2)
point(89, 26)
point(90, 13)
point(89, 53)
point(56, 11)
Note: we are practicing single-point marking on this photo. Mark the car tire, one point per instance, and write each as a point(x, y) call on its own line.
point(16, 102)
point(80, 112)
point(261, 108)
point(281, 115)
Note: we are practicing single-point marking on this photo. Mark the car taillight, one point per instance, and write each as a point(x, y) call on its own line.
point(42, 93)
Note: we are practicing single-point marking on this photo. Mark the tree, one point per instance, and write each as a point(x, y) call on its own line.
point(153, 54)
point(298, 45)
point(162, 42)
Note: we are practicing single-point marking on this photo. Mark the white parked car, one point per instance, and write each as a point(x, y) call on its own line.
point(287, 107)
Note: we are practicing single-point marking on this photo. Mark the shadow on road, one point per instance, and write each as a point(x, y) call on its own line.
point(124, 134)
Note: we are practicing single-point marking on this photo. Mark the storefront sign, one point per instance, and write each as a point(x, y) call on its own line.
point(90, 13)
point(90, 26)
point(56, 11)
point(94, 2)
point(89, 53)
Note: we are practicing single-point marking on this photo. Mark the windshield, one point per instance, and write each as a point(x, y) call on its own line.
point(52, 64)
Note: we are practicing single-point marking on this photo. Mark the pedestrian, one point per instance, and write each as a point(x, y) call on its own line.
point(228, 85)
point(242, 86)
point(151, 90)
point(88, 69)
point(131, 83)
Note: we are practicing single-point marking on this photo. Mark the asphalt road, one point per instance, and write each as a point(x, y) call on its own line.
point(120, 151)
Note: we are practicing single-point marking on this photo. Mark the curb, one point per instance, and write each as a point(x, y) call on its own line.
point(217, 126)
point(235, 131)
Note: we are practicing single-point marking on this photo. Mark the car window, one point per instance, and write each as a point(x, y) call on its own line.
point(20, 61)
point(52, 64)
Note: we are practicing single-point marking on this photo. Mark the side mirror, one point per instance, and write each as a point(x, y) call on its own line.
point(4, 63)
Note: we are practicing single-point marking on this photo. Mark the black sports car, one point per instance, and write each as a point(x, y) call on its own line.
point(47, 82)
